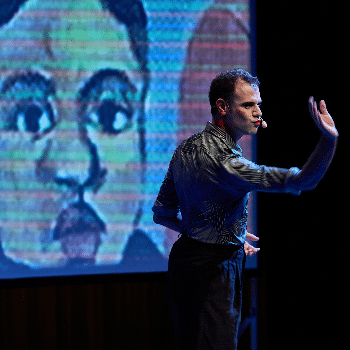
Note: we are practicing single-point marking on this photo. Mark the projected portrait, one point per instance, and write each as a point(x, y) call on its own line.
point(74, 79)
point(95, 95)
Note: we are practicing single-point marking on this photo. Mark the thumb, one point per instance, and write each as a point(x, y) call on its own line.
point(323, 107)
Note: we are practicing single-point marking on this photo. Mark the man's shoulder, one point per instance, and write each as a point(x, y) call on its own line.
point(210, 140)
point(190, 141)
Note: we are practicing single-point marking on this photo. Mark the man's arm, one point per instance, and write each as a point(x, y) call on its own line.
point(174, 223)
point(166, 206)
point(319, 161)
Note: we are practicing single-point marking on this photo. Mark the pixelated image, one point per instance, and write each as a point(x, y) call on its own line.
point(94, 98)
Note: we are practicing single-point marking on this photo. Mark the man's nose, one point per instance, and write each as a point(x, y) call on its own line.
point(66, 156)
point(257, 112)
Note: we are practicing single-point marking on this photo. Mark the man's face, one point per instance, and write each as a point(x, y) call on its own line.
point(242, 115)
point(65, 106)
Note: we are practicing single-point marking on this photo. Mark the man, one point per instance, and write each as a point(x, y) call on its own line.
point(209, 182)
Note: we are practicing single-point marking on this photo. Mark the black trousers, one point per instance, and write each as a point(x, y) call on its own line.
point(205, 294)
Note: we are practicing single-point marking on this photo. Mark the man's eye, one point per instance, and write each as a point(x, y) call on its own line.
point(249, 105)
point(113, 117)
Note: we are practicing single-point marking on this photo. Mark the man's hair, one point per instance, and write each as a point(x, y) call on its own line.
point(223, 85)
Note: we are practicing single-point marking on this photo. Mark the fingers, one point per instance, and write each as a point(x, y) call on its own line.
point(313, 107)
point(322, 118)
point(310, 104)
point(323, 107)
point(252, 237)
point(314, 110)
point(249, 249)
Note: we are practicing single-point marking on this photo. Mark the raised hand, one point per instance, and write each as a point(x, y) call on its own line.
point(323, 119)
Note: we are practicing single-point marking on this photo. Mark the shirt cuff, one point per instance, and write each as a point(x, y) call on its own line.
point(164, 210)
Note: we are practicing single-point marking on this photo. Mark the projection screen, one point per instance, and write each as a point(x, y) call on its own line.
point(95, 96)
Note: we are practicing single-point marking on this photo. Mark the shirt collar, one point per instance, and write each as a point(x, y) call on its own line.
point(223, 136)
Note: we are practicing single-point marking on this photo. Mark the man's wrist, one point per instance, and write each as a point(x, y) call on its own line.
point(329, 139)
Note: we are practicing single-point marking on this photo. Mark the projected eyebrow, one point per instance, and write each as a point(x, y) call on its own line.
point(25, 104)
point(27, 81)
point(107, 100)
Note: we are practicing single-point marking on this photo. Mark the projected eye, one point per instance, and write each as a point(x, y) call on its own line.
point(33, 119)
point(113, 117)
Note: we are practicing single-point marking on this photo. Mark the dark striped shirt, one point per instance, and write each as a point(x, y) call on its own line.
point(209, 181)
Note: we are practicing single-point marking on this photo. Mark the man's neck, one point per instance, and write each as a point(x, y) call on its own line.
point(220, 123)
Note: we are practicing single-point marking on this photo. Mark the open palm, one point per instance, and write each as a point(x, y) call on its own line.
point(322, 118)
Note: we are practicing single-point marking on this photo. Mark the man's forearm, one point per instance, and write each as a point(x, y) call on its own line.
point(317, 164)
point(172, 223)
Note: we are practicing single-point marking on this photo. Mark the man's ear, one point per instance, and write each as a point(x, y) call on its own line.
point(221, 106)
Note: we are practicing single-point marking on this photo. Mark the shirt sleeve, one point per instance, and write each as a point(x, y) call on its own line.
point(246, 175)
point(167, 202)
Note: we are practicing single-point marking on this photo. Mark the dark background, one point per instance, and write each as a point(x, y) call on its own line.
point(302, 50)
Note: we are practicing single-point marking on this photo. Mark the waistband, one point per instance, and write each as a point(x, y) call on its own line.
point(191, 240)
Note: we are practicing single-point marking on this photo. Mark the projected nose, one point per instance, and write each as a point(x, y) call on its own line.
point(65, 160)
